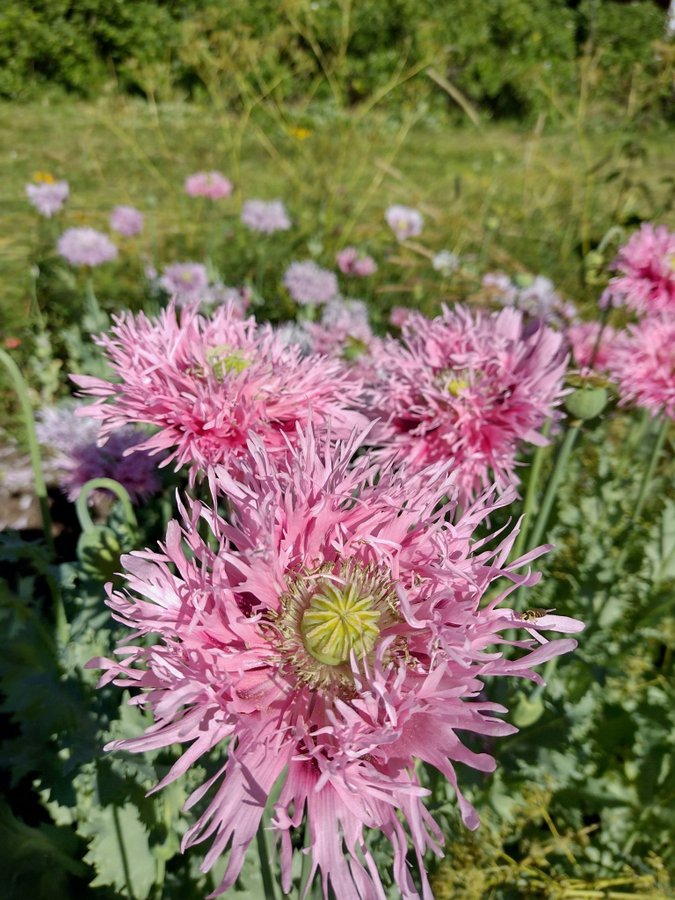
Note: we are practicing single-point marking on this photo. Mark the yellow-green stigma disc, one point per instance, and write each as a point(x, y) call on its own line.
point(337, 621)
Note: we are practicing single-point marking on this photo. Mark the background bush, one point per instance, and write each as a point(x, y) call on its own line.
point(509, 57)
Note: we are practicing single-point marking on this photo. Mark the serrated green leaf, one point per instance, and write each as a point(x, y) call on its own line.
point(119, 851)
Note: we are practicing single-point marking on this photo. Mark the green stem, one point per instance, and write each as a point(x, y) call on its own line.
point(123, 852)
point(554, 483)
point(265, 867)
point(33, 446)
point(531, 493)
point(108, 484)
point(651, 467)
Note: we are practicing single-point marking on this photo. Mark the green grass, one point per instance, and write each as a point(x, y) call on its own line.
point(517, 199)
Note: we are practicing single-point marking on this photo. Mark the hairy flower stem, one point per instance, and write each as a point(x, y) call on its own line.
point(265, 865)
point(21, 389)
point(108, 484)
point(33, 446)
point(531, 494)
point(645, 485)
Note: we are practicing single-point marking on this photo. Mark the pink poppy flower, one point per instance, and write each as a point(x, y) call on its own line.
point(334, 629)
point(643, 365)
point(207, 384)
point(471, 387)
point(583, 337)
point(646, 283)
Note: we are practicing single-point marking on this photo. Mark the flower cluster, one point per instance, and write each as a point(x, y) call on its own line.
point(351, 262)
point(213, 185)
point(308, 283)
point(48, 196)
point(86, 247)
point(334, 628)
point(126, 220)
point(265, 217)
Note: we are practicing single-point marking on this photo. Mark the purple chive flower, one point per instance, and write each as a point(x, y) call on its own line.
point(48, 197)
point(308, 283)
point(126, 220)
point(74, 456)
point(350, 261)
point(186, 282)
point(404, 221)
point(86, 247)
point(265, 217)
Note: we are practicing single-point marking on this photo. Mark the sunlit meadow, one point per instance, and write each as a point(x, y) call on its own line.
point(338, 535)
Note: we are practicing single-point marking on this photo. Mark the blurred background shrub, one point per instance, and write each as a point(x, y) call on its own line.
point(510, 58)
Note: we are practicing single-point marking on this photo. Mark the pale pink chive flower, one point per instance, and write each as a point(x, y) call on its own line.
point(126, 220)
point(213, 185)
point(185, 282)
point(207, 384)
point(75, 455)
point(308, 283)
point(86, 247)
point(583, 338)
point(404, 221)
point(265, 217)
point(336, 633)
point(351, 261)
point(646, 279)
point(467, 387)
point(642, 362)
point(48, 197)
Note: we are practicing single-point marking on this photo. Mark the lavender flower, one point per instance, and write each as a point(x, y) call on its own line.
point(265, 217)
point(48, 197)
point(308, 283)
point(126, 220)
point(86, 247)
point(186, 282)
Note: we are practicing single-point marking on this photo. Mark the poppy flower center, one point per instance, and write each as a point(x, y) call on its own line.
point(337, 621)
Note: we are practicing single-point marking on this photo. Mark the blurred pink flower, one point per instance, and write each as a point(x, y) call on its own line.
point(351, 261)
point(404, 221)
point(48, 197)
point(207, 384)
point(467, 387)
point(213, 185)
point(86, 247)
point(642, 362)
point(185, 282)
point(646, 283)
point(126, 220)
point(583, 337)
point(338, 633)
point(265, 217)
point(308, 283)
point(399, 315)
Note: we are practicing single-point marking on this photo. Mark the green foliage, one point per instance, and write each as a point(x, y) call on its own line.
point(508, 56)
